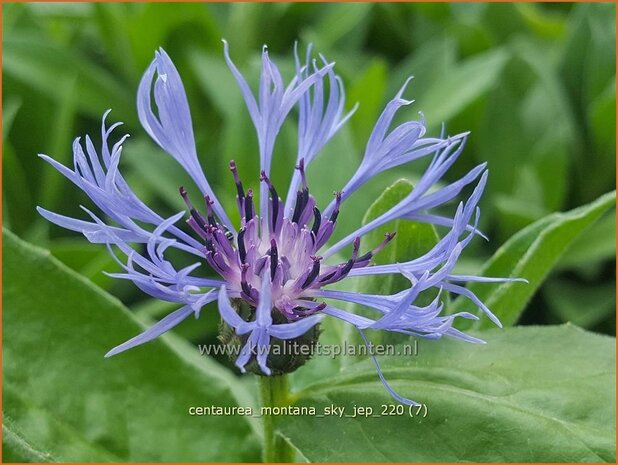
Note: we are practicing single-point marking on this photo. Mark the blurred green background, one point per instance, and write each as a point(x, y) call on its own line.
point(534, 83)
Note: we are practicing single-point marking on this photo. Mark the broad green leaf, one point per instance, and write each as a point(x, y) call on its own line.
point(333, 333)
point(16, 449)
point(531, 394)
point(66, 401)
point(530, 254)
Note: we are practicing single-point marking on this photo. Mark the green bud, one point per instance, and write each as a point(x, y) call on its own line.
point(285, 356)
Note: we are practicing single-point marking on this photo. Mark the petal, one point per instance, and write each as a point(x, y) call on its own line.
point(154, 331)
point(263, 348)
point(95, 233)
point(295, 329)
point(246, 352)
point(230, 316)
point(171, 126)
point(264, 307)
point(391, 391)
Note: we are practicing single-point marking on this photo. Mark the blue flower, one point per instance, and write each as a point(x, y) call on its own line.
point(278, 264)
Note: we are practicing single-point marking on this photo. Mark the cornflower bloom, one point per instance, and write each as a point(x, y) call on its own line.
point(275, 270)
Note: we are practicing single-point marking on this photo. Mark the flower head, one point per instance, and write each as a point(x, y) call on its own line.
point(274, 270)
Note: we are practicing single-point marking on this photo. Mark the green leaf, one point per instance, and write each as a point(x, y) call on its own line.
point(157, 23)
point(60, 145)
point(412, 240)
point(10, 108)
point(531, 254)
point(16, 449)
point(88, 260)
point(369, 88)
point(583, 305)
point(340, 21)
point(500, 143)
point(46, 68)
point(532, 394)
point(432, 59)
point(215, 80)
point(114, 31)
point(461, 86)
point(147, 163)
point(596, 244)
point(543, 22)
point(17, 194)
point(67, 401)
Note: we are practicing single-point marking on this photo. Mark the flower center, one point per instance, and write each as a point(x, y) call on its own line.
point(285, 250)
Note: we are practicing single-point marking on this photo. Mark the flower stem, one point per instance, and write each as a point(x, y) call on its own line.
point(274, 393)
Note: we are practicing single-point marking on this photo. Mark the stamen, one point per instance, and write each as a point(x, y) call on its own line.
point(274, 199)
point(342, 270)
point(274, 258)
point(302, 196)
point(242, 251)
point(335, 213)
point(299, 207)
point(302, 312)
point(315, 271)
point(328, 276)
point(366, 257)
point(317, 221)
point(199, 219)
point(239, 188)
point(316, 309)
point(350, 263)
point(356, 247)
point(249, 206)
point(245, 286)
point(211, 218)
